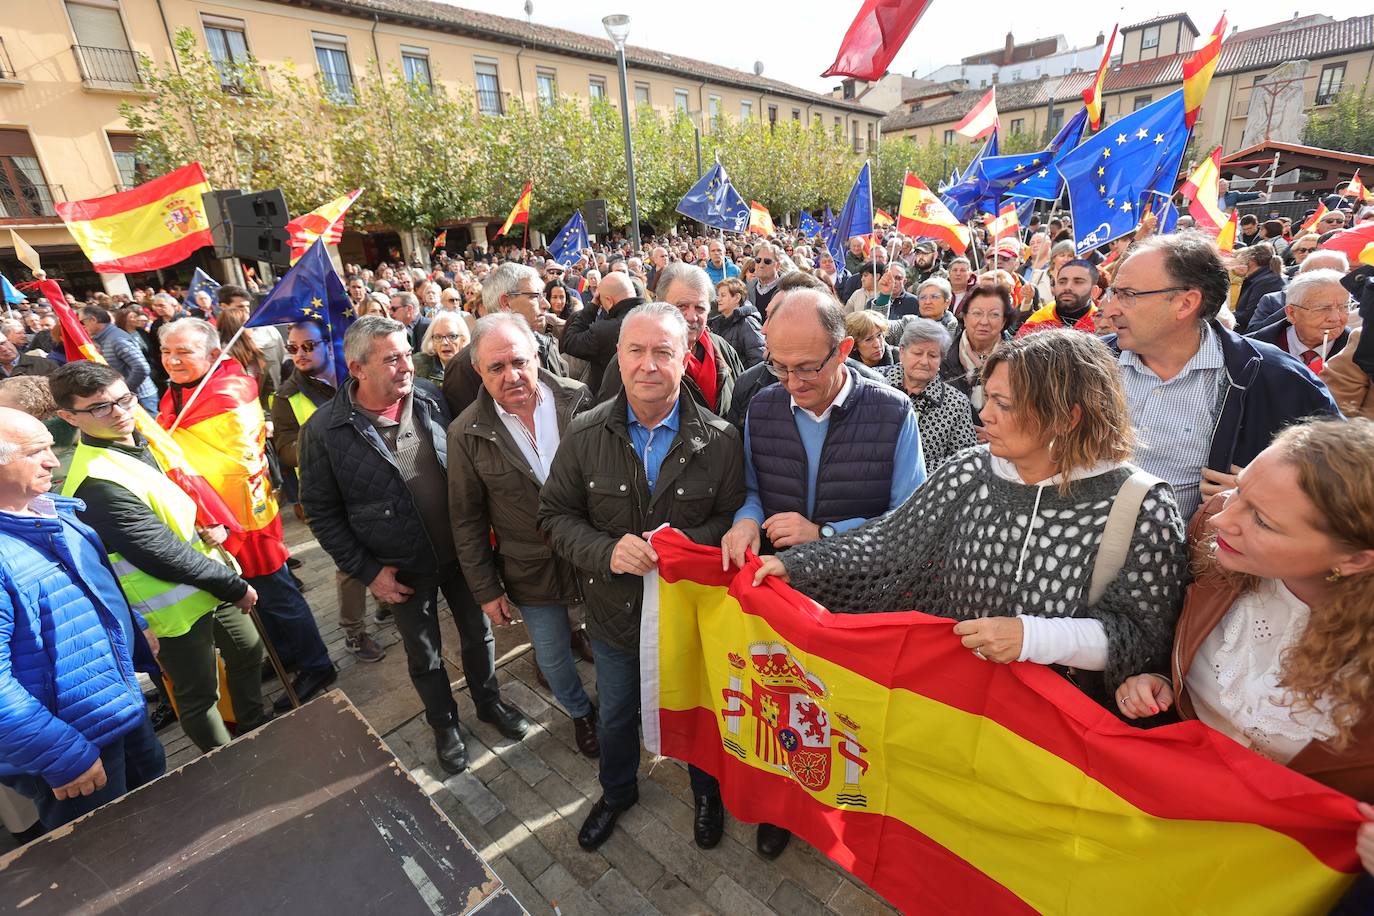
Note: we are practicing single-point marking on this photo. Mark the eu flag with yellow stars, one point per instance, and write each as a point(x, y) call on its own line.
point(714, 201)
point(312, 291)
point(1123, 167)
point(1037, 178)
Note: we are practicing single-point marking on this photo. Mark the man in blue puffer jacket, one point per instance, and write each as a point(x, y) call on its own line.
point(74, 730)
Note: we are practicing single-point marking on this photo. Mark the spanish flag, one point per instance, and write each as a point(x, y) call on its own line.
point(760, 220)
point(1226, 238)
point(1200, 190)
point(1355, 188)
point(521, 213)
point(921, 214)
point(1092, 96)
point(153, 225)
point(950, 784)
point(882, 218)
point(1197, 73)
point(327, 221)
point(1313, 219)
point(1004, 225)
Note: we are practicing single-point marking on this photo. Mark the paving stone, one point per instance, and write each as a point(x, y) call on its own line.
point(752, 872)
point(810, 870)
point(727, 896)
point(792, 900)
point(558, 835)
point(560, 888)
point(518, 756)
point(671, 895)
point(850, 900)
point(475, 796)
point(530, 703)
point(630, 859)
point(619, 897)
point(514, 840)
point(516, 882)
point(679, 855)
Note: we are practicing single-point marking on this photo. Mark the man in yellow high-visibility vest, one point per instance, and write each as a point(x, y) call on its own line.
point(170, 570)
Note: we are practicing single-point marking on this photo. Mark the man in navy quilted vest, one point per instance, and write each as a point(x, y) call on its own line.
point(74, 730)
point(825, 450)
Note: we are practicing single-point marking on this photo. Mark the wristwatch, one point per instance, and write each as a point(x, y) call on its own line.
point(827, 530)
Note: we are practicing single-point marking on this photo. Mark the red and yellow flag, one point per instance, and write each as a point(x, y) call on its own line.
point(327, 221)
point(1197, 73)
point(1092, 96)
point(921, 214)
point(1230, 231)
point(153, 225)
point(1004, 225)
point(882, 218)
point(1313, 219)
point(224, 435)
point(760, 220)
point(521, 213)
point(210, 508)
point(1200, 190)
point(1355, 188)
point(952, 785)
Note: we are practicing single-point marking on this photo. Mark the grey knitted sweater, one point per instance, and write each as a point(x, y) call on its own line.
point(959, 548)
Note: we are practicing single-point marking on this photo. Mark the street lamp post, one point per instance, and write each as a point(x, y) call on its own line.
point(618, 29)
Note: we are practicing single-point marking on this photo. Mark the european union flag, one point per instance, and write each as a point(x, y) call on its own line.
point(809, 226)
point(9, 294)
point(1125, 165)
point(1037, 177)
point(970, 192)
point(311, 291)
point(856, 218)
point(571, 240)
point(714, 201)
point(203, 282)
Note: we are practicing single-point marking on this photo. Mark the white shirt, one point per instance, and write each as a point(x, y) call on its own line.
point(840, 398)
point(1234, 680)
point(539, 448)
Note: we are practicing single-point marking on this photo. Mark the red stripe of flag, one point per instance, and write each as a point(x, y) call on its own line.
point(147, 193)
point(875, 36)
point(160, 256)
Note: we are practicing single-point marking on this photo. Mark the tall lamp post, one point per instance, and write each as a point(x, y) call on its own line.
point(618, 29)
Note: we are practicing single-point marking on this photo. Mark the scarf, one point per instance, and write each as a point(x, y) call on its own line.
point(973, 368)
point(702, 370)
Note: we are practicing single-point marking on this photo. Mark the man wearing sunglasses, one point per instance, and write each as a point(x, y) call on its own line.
point(764, 286)
point(171, 572)
point(307, 389)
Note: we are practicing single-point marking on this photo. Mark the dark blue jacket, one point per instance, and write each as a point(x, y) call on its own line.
point(1256, 286)
point(67, 685)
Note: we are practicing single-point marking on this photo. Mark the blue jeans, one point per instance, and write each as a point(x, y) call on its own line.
point(130, 761)
point(548, 627)
point(617, 693)
point(289, 623)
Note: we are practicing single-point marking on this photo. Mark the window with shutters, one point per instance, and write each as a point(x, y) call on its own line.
point(642, 95)
point(489, 98)
point(415, 66)
point(746, 110)
point(1149, 38)
point(24, 191)
point(596, 88)
point(681, 100)
point(227, 42)
point(331, 55)
point(546, 85)
point(102, 47)
point(132, 170)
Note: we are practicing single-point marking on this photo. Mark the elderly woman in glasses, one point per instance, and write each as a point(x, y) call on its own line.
point(943, 412)
point(446, 336)
point(1004, 537)
point(933, 299)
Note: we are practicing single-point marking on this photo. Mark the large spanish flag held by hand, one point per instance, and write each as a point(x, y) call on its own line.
point(1197, 73)
point(521, 213)
point(224, 435)
point(327, 221)
point(921, 214)
point(953, 785)
point(153, 225)
point(1092, 96)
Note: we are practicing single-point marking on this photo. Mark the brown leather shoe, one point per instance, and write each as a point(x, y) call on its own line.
point(584, 733)
point(582, 645)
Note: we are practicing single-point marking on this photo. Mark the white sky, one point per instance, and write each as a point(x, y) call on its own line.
point(797, 39)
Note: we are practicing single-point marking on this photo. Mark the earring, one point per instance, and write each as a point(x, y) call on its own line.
point(1335, 575)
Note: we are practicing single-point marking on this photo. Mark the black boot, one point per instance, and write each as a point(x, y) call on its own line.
point(449, 746)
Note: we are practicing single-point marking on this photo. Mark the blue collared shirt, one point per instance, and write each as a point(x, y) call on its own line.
point(651, 445)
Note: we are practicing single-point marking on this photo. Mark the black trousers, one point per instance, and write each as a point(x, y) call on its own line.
point(417, 619)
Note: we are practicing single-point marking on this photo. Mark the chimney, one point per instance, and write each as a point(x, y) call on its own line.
point(1101, 37)
point(1009, 50)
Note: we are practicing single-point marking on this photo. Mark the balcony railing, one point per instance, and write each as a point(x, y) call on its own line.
point(108, 68)
point(248, 78)
point(1326, 98)
point(6, 67)
point(491, 102)
point(29, 200)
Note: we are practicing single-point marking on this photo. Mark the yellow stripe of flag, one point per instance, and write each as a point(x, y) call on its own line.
point(110, 238)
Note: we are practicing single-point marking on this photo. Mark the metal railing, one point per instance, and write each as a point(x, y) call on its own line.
point(1326, 98)
point(248, 79)
point(108, 67)
point(491, 102)
point(6, 66)
point(29, 200)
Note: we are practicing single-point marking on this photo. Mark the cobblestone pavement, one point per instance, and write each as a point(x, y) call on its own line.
point(521, 803)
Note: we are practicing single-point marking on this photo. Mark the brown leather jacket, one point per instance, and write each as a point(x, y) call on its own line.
point(1349, 384)
point(1204, 605)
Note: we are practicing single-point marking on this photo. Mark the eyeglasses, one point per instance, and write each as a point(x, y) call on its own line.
point(805, 374)
point(1324, 309)
point(104, 409)
point(766, 261)
point(534, 295)
point(1128, 297)
point(307, 347)
point(448, 338)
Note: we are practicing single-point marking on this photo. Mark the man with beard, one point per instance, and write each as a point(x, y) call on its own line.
point(1073, 301)
point(926, 264)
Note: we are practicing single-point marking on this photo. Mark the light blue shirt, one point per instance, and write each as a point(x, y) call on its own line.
point(651, 445)
point(908, 467)
point(1174, 420)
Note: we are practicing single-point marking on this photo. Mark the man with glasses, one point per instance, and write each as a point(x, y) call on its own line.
point(122, 354)
point(405, 308)
point(1314, 324)
point(868, 436)
point(764, 286)
point(514, 288)
point(1204, 400)
point(307, 389)
point(171, 572)
point(1270, 307)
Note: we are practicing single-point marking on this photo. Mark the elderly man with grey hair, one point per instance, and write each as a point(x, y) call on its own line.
point(1313, 326)
point(405, 308)
point(374, 484)
point(768, 270)
point(1270, 310)
point(943, 412)
point(514, 288)
point(712, 363)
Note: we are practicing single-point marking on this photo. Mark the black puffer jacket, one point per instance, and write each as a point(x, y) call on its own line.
point(743, 330)
point(355, 499)
point(597, 493)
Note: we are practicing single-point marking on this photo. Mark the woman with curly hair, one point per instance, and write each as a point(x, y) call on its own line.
point(1275, 645)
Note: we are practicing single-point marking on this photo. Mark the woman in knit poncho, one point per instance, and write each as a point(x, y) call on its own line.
point(1003, 536)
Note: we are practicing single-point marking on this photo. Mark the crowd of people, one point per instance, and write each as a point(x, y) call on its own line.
point(1147, 468)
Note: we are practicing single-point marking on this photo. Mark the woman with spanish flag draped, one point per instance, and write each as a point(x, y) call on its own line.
point(1275, 646)
point(223, 435)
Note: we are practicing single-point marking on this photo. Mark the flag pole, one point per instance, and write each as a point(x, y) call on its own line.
point(223, 355)
point(870, 221)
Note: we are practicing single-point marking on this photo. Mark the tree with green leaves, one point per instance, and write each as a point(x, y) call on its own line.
point(1347, 125)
